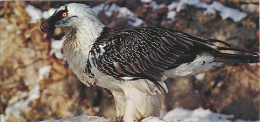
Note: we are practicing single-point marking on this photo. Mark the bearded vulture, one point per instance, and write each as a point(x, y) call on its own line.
point(133, 63)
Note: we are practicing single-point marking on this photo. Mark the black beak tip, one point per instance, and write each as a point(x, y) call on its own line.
point(42, 28)
point(46, 25)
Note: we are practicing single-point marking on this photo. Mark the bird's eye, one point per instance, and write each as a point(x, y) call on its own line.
point(64, 14)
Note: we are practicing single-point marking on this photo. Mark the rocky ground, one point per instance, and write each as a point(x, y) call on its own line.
point(36, 84)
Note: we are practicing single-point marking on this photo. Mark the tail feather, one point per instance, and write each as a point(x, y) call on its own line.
point(222, 42)
point(243, 56)
point(239, 50)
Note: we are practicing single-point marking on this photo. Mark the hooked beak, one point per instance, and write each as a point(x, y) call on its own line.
point(47, 25)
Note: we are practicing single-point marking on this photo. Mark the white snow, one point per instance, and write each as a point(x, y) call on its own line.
point(96, 9)
point(152, 119)
point(196, 3)
point(123, 12)
point(109, 10)
point(44, 72)
point(225, 12)
point(97, 109)
point(146, 1)
point(34, 93)
point(133, 19)
point(47, 14)
point(220, 84)
point(13, 100)
point(171, 15)
point(155, 6)
point(137, 22)
point(15, 109)
point(56, 46)
point(197, 115)
point(34, 13)
point(173, 6)
point(2, 118)
point(200, 76)
point(8, 27)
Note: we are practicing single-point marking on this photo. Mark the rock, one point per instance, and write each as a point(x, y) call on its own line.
point(83, 118)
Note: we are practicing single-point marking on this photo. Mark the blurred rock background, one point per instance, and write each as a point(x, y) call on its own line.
point(36, 83)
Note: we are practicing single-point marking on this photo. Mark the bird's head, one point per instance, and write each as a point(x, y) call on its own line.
point(70, 15)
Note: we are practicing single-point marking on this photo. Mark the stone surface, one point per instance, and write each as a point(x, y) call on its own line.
point(83, 118)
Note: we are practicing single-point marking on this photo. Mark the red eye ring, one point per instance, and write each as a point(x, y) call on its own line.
point(64, 14)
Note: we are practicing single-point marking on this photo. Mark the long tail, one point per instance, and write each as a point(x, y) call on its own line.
point(233, 59)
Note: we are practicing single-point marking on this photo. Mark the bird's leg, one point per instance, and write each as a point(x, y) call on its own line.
point(119, 97)
point(140, 104)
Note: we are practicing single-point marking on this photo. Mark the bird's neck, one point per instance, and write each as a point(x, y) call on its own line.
point(82, 36)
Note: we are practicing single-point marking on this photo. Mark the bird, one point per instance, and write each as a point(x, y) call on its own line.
point(133, 63)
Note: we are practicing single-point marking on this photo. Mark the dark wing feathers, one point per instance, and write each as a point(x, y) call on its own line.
point(147, 52)
point(142, 52)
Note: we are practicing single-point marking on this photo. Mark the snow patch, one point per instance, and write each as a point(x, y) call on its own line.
point(126, 13)
point(146, 1)
point(197, 115)
point(97, 109)
point(196, 3)
point(137, 22)
point(13, 100)
point(2, 118)
point(152, 119)
point(220, 84)
point(109, 10)
point(225, 12)
point(34, 93)
point(15, 109)
point(171, 15)
point(34, 13)
point(47, 14)
point(98, 8)
point(173, 6)
point(123, 12)
point(8, 27)
point(44, 72)
point(200, 76)
point(155, 6)
point(56, 46)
